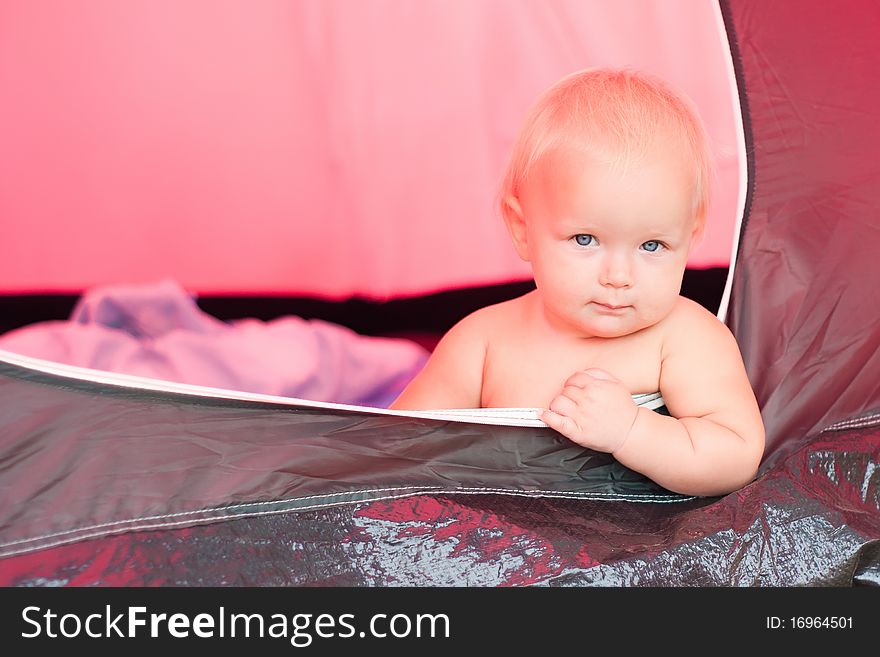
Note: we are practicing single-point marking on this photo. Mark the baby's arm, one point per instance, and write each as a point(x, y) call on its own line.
point(453, 376)
point(715, 444)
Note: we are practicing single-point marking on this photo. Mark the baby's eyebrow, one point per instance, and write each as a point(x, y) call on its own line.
point(576, 228)
point(662, 230)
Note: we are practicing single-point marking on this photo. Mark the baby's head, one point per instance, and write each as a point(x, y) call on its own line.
point(606, 191)
point(620, 118)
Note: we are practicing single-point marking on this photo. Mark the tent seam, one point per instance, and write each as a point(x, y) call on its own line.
point(136, 524)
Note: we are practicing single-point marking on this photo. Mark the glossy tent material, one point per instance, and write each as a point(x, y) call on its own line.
point(122, 486)
point(93, 459)
point(805, 299)
point(801, 307)
point(295, 496)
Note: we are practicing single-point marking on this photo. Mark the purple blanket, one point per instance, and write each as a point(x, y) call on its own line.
point(158, 331)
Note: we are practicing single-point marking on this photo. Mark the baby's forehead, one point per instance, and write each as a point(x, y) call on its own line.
point(654, 190)
point(580, 151)
point(569, 165)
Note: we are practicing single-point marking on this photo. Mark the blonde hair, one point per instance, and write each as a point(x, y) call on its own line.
point(616, 115)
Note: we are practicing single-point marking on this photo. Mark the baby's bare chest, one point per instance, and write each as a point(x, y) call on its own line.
point(522, 371)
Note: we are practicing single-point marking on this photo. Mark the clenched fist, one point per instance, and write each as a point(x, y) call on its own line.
point(594, 409)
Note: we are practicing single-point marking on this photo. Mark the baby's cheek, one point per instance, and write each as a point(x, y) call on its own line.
point(654, 310)
point(661, 297)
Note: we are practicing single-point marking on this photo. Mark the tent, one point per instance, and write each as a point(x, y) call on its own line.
point(118, 481)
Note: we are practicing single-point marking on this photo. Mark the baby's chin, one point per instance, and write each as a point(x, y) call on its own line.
point(615, 327)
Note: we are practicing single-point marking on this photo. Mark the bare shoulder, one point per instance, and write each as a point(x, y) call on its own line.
point(453, 375)
point(489, 318)
point(474, 331)
point(702, 368)
point(703, 376)
point(464, 345)
point(692, 328)
point(688, 312)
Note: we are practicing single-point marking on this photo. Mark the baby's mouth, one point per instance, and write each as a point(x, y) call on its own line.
point(609, 308)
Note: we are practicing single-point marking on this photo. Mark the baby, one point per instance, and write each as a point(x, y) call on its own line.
point(605, 195)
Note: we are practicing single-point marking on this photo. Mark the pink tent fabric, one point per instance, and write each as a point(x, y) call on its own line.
point(319, 147)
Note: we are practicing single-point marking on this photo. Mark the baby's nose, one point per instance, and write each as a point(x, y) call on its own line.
point(616, 271)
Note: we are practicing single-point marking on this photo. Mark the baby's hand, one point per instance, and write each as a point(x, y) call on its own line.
point(594, 410)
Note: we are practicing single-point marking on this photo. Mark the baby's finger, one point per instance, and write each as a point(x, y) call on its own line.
point(563, 405)
point(575, 394)
point(564, 425)
point(597, 373)
point(579, 380)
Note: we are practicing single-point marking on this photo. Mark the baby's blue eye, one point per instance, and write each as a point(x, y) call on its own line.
point(584, 240)
point(651, 246)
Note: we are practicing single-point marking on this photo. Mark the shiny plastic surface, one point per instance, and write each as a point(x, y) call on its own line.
point(805, 299)
point(111, 486)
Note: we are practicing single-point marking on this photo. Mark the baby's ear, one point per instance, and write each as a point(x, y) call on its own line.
point(516, 225)
point(698, 233)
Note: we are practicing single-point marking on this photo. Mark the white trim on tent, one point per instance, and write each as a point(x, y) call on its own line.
point(516, 417)
point(741, 159)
